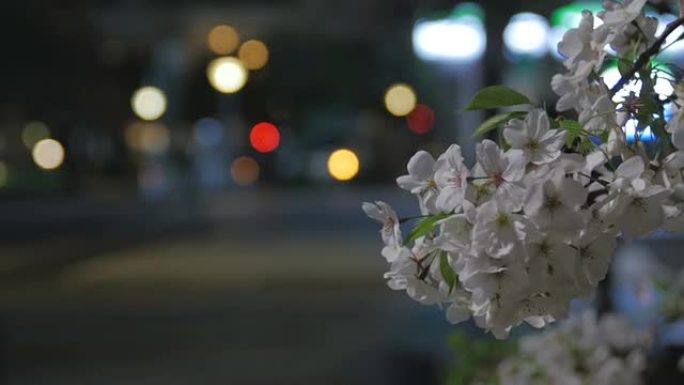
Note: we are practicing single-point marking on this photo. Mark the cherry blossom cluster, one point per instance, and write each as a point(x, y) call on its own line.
point(533, 224)
point(584, 350)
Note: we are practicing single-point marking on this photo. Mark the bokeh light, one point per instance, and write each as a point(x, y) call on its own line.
point(675, 46)
point(527, 35)
point(400, 99)
point(223, 39)
point(151, 138)
point(459, 37)
point(153, 180)
point(254, 54)
point(208, 132)
point(245, 171)
point(4, 174)
point(264, 137)
point(343, 164)
point(421, 119)
point(149, 103)
point(227, 74)
point(48, 154)
point(33, 133)
point(611, 75)
point(630, 129)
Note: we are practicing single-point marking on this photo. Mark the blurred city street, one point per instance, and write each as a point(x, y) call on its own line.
point(206, 298)
point(181, 185)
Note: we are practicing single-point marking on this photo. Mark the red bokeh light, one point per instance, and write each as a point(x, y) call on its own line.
point(264, 137)
point(421, 119)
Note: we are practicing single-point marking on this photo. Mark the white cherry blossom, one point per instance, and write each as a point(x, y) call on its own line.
point(618, 14)
point(497, 229)
point(383, 213)
point(595, 251)
point(517, 236)
point(452, 179)
point(554, 204)
point(420, 181)
point(534, 138)
point(584, 45)
point(500, 174)
point(584, 350)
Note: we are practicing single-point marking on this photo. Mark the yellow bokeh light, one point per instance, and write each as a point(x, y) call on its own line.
point(150, 138)
point(48, 154)
point(400, 99)
point(34, 132)
point(227, 74)
point(343, 164)
point(4, 174)
point(223, 39)
point(149, 103)
point(254, 54)
point(245, 171)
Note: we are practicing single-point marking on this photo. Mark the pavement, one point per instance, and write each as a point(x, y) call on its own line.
point(257, 287)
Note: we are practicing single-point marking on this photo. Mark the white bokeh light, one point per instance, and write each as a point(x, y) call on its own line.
point(527, 34)
point(674, 46)
point(630, 132)
point(48, 154)
point(460, 39)
point(611, 76)
point(227, 74)
point(149, 103)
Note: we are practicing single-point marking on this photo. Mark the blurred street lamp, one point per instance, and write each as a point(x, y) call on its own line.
point(421, 120)
point(453, 46)
point(400, 99)
point(149, 103)
point(527, 35)
point(459, 37)
point(264, 137)
point(254, 54)
point(48, 154)
point(245, 171)
point(150, 138)
point(34, 132)
point(208, 132)
point(223, 39)
point(343, 164)
point(227, 74)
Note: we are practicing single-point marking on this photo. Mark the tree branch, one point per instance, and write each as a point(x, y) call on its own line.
point(646, 56)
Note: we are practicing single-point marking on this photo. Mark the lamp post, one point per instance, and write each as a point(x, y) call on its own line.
point(453, 46)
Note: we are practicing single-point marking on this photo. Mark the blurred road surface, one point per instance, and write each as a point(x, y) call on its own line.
point(246, 288)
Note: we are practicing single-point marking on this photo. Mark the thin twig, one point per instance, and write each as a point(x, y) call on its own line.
point(593, 178)
point(646, 56)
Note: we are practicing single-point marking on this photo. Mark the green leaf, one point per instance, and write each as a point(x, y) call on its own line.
point(446, 270)
point(497, 97)
point(574, 130)
point(662, 285)
point(425, 226)
point(570, 125)
point(624, 66)
point(497, 121)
